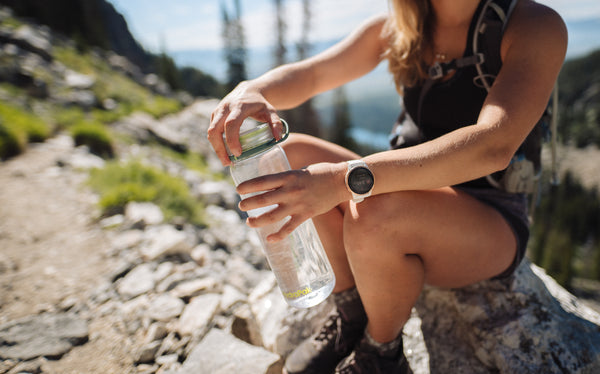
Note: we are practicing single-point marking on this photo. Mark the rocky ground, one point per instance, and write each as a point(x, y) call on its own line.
point(54, 255)
point(130, 293)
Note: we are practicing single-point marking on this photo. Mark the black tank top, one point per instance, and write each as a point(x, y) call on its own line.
point(450, 104)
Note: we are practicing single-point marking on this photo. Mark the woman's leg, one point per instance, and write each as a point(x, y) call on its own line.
point(398, 242)
point(303, 150)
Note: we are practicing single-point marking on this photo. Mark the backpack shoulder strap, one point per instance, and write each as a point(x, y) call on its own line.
point(487, 38)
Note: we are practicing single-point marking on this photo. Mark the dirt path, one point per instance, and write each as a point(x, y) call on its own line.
point(53, 254)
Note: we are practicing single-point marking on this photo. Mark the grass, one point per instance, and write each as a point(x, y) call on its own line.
point(95, 136)
point(119, 184)
point(17, 128)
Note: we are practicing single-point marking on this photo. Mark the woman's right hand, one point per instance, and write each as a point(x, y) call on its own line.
point(227, 118)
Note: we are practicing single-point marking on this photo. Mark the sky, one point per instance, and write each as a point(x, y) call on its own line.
point(196, 24)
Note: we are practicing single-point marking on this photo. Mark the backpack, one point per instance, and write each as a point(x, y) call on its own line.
point(523, 173)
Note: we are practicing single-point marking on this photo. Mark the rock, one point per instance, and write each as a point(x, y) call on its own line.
point(194, 287)
point(127, 239)
point(143, 214)
point(27, 367)
point(48, 335)
point(83, 98)
point(163, 270)
point(245, 327)
point(135, 309)
point(270, 309)
point(220, 193)
point(164, 240)
point(82, 160)
point(231, 296)
point(415, 348)
point(156, 331)
point(198, 314)
point(243, 275)
point(227, 226)
point(36, 40)
point(112, 221)
point(221, 353)
point(159, 130)
point(138, 281)
point(201, 254)
point(77, 80)
point(147, 352)
point(524, 324)
point(165, 307)
point(167, 359)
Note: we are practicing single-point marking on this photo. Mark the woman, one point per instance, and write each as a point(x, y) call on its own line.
point(429, 217)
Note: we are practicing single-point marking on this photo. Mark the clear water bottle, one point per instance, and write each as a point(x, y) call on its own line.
point(299, 262)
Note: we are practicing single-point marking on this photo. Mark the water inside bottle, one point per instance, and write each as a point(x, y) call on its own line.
point(303, 273)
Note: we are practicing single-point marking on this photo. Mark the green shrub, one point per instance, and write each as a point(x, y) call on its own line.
point(115, 199)
point(17, 128)
point(11, 142)
point(95, 136)
point(159, 106)
point(67, 117)
point(119, 184)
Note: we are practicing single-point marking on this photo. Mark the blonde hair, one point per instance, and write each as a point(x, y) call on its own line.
point(408, 32)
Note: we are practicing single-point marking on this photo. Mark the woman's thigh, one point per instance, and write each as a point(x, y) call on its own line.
point(459, 239)
point(303, 150)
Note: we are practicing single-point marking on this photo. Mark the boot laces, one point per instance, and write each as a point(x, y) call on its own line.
point(330, 330)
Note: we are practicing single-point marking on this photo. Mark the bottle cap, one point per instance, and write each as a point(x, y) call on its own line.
point(258, 139)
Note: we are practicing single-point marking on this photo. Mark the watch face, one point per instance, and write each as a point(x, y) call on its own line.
point(360, 180)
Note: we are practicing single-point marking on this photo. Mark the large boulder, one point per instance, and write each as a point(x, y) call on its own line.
point(523, 324)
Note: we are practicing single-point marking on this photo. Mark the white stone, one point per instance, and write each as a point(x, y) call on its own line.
point(138, 281)
point(221, 353)
point(164, 240)
point(194, 287)
point(198, 314)
point(143, 212)
point(165, 307)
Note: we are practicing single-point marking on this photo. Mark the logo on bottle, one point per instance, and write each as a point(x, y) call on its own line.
point(297, 294)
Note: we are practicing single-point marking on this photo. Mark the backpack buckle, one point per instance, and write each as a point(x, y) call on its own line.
point(479, 58)
point(436, 71)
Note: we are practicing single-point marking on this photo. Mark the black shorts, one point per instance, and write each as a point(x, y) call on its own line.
point(513, 207)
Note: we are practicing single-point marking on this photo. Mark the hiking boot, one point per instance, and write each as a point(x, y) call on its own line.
point(367, 359)
point(321, 353)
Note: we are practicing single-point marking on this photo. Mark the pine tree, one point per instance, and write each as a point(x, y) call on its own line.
point(235, 45)
point(306, 117)
point(340, 133)
point(280, 26)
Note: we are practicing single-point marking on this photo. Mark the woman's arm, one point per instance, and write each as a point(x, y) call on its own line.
point(290, 85)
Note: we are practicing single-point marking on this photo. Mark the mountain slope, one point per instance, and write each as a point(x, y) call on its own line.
point(90, 23)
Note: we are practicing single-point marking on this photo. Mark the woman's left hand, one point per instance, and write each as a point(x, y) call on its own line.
point(300, 194)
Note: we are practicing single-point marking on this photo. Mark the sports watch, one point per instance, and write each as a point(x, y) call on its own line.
point(359, 180)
